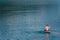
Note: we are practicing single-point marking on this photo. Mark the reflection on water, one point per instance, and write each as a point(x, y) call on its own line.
point(47, 35)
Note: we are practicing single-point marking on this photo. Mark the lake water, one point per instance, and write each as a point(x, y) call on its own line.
point(27, 22)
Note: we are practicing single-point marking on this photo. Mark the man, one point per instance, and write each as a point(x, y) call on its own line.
point(47, 28)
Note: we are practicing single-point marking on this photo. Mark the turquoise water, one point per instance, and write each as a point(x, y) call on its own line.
point(28, 25)
point(25, 20)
